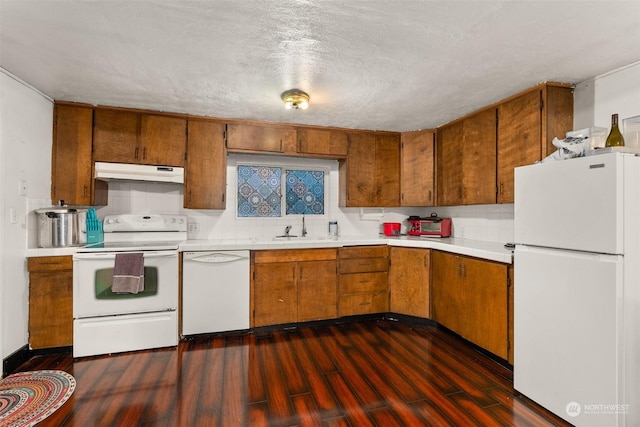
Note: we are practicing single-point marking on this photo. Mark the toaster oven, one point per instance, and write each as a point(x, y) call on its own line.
point(432, 226)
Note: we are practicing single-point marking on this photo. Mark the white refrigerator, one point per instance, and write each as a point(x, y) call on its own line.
point(577, 288)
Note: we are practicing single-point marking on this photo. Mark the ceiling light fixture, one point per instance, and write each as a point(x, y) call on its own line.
point(294, 99)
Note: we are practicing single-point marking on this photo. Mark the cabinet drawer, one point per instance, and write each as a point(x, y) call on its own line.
point(367, 303)
point(363, 265)
point(50, 263)
point(291, 255)
point(363, 282)
point(363, 252)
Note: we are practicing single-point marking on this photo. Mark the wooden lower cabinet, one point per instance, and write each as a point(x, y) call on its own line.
point(293, 286)
point(274, 294)
point(363, 282)
point(470, 297)
point(50, 302)
point(409, 279)
point(317, 294)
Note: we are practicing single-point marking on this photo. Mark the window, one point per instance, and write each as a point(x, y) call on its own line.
point(260, 191)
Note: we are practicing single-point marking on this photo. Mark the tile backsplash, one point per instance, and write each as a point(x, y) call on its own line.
point(479, 222)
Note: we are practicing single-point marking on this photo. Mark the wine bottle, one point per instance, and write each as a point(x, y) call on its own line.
point(615, 138)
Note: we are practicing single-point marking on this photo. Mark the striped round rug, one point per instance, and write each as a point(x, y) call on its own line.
point(27, 398)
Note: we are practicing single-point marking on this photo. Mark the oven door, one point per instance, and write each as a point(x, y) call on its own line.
point(93, 276)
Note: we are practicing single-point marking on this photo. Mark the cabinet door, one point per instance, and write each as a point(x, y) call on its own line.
point(206, 166)
point(358, 174)
point(387, 171)
point(486, 299)
point(71, 168)
point(163, 140)
point(479, 158)
point(364, 303)
point(409, 281)
point(50, 302)
point(519, 139)
point(115, 136)
point(317, 290)
point(417, 169)
point(274, 294)
point(470, 297)
point(447, 297)
point(449, 164)
point(325, 142)
point(243, 137)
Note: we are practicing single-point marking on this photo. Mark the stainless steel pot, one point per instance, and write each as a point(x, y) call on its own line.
point(61, 226)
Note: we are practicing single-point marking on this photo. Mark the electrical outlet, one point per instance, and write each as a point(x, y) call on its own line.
point(22, 187)
point(193, 227)
point(13, 216)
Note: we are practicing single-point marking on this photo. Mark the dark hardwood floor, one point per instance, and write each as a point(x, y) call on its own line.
point(363, 373)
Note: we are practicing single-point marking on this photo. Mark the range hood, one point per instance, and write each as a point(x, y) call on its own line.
point(125, 171)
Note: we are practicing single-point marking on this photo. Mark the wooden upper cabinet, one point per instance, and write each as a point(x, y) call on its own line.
point(115, 136)
point(122, 136)
point(358, 173)
point(205, 180)
point(387, 170)
point(466, 160)
point(163, 140)
point(324, 142)
point(449, 164)
point(259, 138)
point(527, 125)
point(71, 165)
point(417, 169)
point(370, 177)
point(519, 136)
point(479, 158)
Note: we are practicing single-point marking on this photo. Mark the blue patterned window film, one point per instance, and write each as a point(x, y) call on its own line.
point(259, 191)
point(305, 192)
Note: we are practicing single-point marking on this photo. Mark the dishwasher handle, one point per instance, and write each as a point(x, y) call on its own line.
point(216, 258)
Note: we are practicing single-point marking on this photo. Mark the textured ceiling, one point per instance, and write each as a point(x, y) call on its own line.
point(375, 64)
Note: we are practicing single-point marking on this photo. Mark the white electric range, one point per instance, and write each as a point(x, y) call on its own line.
point(109, 322)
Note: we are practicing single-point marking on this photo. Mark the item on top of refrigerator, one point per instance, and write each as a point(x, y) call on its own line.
point(597, 136)
point(631, 131)
point(569, 148)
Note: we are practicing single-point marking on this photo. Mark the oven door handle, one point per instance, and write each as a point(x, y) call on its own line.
point(112, 255)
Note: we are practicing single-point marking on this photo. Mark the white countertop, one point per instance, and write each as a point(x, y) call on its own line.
point(492, 251)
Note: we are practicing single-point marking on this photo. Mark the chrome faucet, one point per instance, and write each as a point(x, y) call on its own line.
point(304, 227)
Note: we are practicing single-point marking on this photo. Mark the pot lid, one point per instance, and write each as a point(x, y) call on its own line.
point(61, 208)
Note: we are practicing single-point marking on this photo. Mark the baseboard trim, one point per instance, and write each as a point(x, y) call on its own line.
point(17, 358)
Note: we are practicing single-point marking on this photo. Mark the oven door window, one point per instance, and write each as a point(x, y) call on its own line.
point(104, 278)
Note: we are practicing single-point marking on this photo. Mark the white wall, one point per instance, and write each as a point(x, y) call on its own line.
point(26, 118)
point(618, 91)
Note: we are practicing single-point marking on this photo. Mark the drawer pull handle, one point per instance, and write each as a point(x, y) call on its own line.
point(280, 300)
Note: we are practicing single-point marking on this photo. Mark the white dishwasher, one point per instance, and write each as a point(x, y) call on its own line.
point(215, 291)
